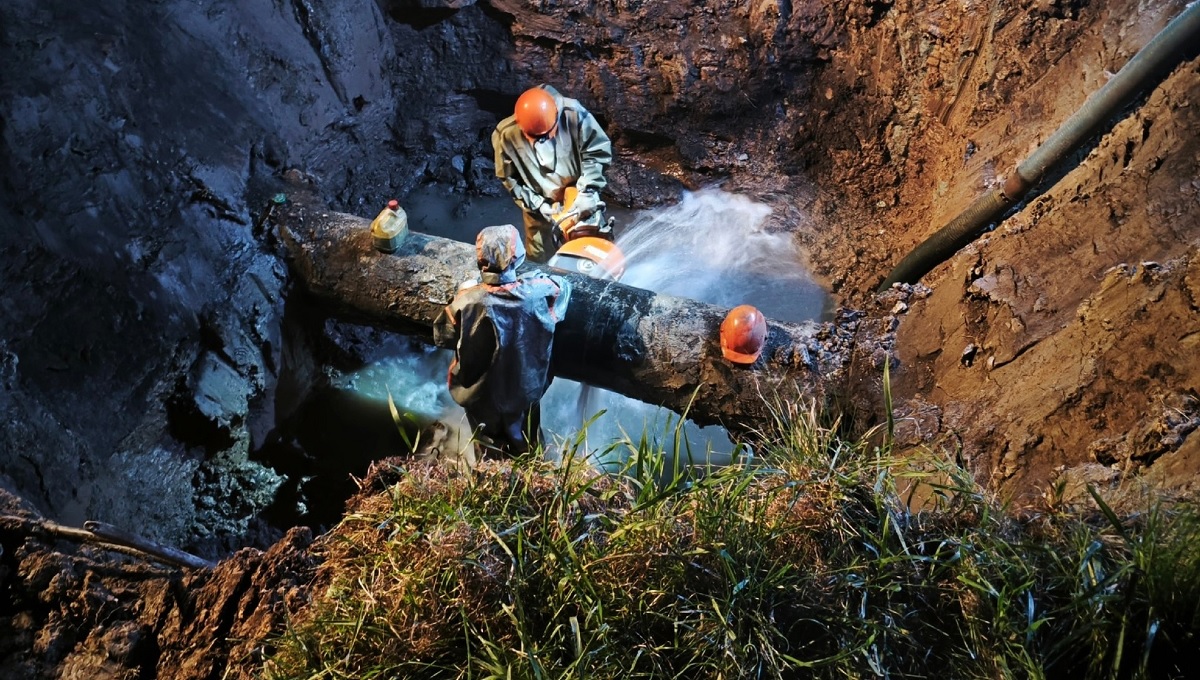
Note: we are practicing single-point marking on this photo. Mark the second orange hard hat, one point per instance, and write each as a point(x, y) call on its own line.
point(743, 334)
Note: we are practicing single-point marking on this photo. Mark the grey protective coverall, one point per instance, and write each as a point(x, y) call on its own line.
point(502, 332)
point(533, 173)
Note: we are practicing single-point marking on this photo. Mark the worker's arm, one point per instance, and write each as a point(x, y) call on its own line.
point(445, 329)
point(526, 198)
point(595, 154)
point(558, 302)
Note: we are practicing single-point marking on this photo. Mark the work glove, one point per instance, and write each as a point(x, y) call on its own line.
point(548, 210)
point(562, 230)
point(586, 203)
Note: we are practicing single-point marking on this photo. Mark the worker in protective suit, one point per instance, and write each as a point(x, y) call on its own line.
point(501, 329)
point(551, 143)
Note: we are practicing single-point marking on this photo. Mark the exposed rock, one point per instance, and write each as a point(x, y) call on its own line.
point(143, 312)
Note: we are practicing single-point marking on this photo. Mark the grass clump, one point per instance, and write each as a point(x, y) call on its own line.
point(806, 562)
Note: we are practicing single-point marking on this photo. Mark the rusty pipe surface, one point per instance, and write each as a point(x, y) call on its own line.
point(1146, 69)
point(659, 349)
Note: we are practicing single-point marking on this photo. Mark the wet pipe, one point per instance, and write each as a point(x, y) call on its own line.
point(1146, 69)
point(658, 349)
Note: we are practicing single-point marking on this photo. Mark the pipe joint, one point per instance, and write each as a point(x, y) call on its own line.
point(1015, 187)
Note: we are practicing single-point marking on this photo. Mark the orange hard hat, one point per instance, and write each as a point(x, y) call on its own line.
point(536, 112)
point(743, 334)
point(590, 255)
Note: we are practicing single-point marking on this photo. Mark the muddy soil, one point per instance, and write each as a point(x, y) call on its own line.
point(148, 322)
point(77, 612)
point(1062, 344)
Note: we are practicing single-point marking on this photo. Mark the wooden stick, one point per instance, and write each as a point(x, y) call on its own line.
point(165, 553)
point(106, 537)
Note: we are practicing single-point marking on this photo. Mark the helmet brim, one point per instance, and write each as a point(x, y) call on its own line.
point(739, 358)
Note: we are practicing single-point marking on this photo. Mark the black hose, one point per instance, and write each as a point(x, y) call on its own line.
point(949, 239)
point(1172, 44)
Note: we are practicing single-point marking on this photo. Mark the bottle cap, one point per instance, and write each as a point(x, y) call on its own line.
point(393, 204)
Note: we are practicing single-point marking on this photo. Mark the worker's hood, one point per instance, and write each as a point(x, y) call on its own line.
point(499, 251)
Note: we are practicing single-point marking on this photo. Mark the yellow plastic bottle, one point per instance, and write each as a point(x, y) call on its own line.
point(390, 227)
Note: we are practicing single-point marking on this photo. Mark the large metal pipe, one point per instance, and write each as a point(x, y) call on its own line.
point(1146, 69)
point(659, 349)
